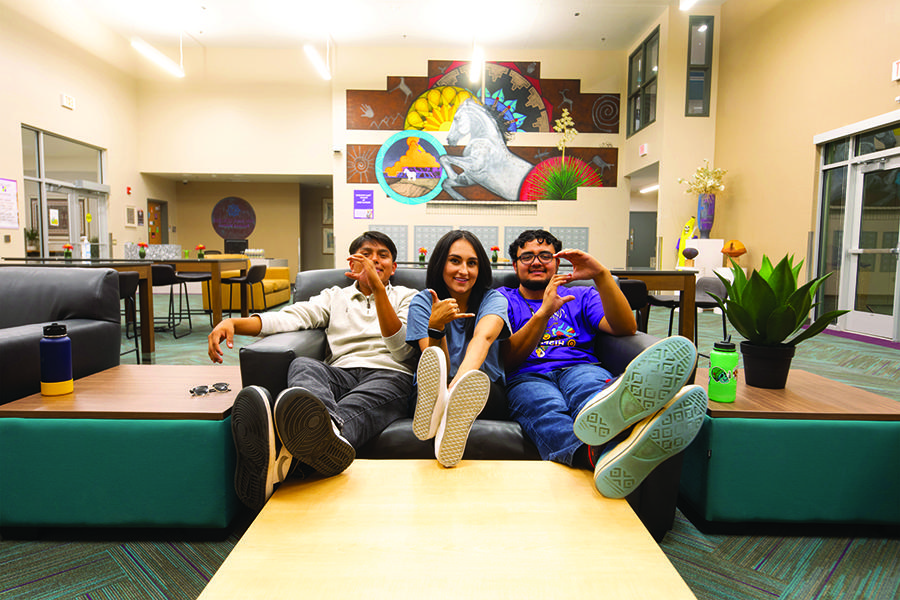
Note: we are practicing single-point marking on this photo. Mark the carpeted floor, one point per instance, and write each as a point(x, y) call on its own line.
point(838, 564)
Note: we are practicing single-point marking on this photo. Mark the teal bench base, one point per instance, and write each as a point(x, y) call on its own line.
point(793, 471)
point(116, 473)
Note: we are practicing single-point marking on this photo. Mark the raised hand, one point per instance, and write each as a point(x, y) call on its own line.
point(444, 311)
point(584, 266)
point(362, 269)
point(552, 301)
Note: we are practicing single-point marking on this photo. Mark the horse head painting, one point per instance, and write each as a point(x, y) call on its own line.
point(486, 161)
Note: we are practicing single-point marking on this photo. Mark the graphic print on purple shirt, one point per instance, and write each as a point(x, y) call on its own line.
point(569, 337)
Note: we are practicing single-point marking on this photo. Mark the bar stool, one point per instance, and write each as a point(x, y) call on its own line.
point(255, 274)
point(191, 277)
point(128, 284)
point(702, 300)
point(166, 275)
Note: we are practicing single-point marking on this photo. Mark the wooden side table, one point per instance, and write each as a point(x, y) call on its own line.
point(129, 447)
point(818, 451)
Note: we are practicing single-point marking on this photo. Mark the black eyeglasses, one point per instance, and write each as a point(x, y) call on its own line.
point(528, 257)
point(202, 390)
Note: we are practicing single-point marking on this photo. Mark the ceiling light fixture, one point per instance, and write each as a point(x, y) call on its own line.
point(159, 58)
point(650, 188)
point(321, 65)
point(686, 4)
point(477, 65)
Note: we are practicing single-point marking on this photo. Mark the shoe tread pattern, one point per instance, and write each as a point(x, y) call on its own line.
point(669, 433)
point(647, 384)
point(254, 448)
point(428, 375)
point(466, 402)
point(305, 428)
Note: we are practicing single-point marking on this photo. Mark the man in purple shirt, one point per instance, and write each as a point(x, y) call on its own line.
point(564, 399)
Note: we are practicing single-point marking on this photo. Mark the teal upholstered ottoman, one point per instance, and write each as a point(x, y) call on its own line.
point(816, 452)
point(130, 447)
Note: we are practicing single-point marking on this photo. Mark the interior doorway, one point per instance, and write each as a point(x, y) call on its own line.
point(157, 221)
point(641, 240)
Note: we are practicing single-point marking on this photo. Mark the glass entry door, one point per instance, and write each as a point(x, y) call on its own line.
point(871, 291)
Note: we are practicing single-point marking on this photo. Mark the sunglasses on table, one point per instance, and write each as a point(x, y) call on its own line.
point(202, 390)
point(528, 257)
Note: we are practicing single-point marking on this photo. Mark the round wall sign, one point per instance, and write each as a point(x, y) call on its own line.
point(233, 218)
point(408, 169)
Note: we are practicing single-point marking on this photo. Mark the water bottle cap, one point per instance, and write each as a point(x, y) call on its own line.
point(727, 346)
point(55, 330)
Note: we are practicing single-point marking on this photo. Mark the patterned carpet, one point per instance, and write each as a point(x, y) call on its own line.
point(835, 564)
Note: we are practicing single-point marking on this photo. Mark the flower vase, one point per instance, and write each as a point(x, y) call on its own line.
point(706, 213)
point(422, 258)
point(142, 253)
point(200, 254)
point(187, 253)
point(67, 254)
point(494, 258)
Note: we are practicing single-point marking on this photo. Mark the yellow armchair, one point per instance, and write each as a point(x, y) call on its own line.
point(275, 289)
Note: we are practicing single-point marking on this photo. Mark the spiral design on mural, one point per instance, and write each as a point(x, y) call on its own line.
point(605, 113)
point(361, 164)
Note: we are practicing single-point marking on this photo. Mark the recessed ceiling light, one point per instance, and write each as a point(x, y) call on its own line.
point(650, 188)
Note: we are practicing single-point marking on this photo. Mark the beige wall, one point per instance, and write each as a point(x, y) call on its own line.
point(788, 71)
point(277, 208)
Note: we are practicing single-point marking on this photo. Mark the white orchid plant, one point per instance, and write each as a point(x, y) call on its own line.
point(705, 180)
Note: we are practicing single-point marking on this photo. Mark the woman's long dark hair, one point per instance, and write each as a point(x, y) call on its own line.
point(434, 277)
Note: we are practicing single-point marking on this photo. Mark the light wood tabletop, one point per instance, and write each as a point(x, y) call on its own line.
point(806, 396)
point(413, 529)
point(137, 392)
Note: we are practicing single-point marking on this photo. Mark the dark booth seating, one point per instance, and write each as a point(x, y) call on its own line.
point(86, 301)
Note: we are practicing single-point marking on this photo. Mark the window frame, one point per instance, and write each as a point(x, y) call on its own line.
point(705, 67)
point(640, 83)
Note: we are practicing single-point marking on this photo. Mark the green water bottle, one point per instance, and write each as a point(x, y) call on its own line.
point(723, 362)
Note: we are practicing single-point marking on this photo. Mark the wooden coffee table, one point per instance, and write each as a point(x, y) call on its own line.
point(413, 529)
point(817, 451)
point(129, 447)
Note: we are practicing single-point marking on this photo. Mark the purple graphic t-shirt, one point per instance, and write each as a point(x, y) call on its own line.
point(569, 337)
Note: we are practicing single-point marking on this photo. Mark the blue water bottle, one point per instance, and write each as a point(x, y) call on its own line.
point(723, 362)
point(56, 361)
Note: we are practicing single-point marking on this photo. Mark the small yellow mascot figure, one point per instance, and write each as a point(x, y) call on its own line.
point(688, 232)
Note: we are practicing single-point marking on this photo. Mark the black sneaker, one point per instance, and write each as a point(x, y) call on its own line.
point(254, 444)
point(308, 432)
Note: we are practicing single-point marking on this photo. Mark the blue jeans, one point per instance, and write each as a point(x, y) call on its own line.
point(545, 405)
point(362, 401)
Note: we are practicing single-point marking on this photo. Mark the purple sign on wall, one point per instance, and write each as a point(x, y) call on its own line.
point(233, 218)
point(363, 204)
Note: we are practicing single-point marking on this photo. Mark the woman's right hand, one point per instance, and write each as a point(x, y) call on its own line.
point(444, 311)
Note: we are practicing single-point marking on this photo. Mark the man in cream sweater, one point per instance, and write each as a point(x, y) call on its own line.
point(330, 408)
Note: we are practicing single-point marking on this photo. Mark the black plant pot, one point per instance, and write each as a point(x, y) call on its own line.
point(766, 366)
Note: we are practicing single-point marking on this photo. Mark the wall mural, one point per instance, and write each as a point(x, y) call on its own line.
point(414, 167)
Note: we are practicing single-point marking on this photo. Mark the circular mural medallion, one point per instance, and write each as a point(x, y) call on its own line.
point(408, 167)
point(233, 218)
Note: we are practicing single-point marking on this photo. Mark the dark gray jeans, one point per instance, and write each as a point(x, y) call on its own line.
point(361, 401)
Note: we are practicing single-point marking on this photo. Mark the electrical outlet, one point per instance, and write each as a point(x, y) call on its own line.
point(67, 101)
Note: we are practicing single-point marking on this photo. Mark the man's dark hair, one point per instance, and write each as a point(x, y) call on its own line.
point(541, 236)
point(378, 238)
point(434, 277)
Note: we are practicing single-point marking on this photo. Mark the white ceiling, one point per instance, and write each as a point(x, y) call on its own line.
point(561, 24)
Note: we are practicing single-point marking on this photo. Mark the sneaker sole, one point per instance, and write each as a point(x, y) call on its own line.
point(654, 440)
point(430, 376)
point(254, 444)
point(465, 403)
point(648, 383)
point(305, 428)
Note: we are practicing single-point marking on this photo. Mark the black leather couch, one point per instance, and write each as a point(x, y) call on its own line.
point(494, 436)
point(86, 301)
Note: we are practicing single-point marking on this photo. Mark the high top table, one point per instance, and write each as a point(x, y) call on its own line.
point(413, 529)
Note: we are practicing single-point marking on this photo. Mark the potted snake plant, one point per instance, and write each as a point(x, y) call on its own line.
point(767, 308)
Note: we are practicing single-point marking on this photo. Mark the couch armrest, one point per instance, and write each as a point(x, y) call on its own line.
point(616, 352)
point(278, 273)
point(265, 362)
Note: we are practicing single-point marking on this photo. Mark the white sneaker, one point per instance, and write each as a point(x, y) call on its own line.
point(465, 402)
point(431, 379)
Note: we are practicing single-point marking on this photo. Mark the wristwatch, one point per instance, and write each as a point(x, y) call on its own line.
point(436, 334)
